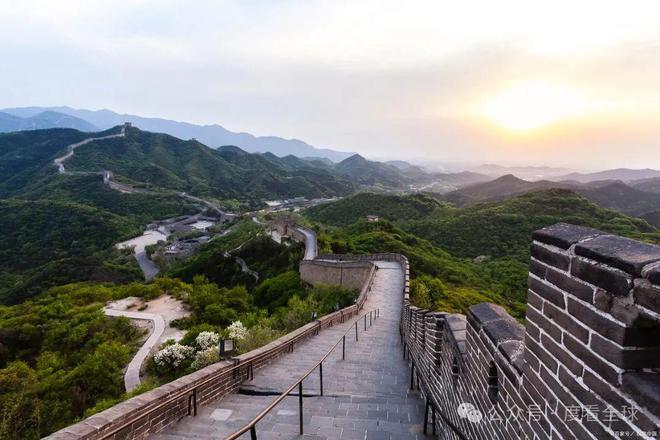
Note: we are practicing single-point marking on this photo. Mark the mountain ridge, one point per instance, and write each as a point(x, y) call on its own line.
point(611, 194)
point(43, 120)
point(213, 135)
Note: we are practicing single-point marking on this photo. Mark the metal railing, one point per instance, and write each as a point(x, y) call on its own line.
point(191, 393)
point(252, 425)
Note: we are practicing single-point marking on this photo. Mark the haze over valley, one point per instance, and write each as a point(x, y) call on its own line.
point(335, 220)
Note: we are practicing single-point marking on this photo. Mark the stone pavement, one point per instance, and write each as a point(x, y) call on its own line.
point(365, 397)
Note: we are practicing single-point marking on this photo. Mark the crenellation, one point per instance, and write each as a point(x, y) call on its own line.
point(600, 275)
point(630, 256)
point(589, 345)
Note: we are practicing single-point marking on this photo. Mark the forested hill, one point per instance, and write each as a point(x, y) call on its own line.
point(395, 208)
point(628, 198)
point(443, 242)
point(160, 161)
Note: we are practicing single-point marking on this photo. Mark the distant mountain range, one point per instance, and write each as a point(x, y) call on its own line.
point(158, 161)
point(212, 135)
point(628, 198)
point(624, 174)
point(41, 120)
point(524, 172)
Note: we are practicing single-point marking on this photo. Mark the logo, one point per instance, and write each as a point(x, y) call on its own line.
point(468, 411)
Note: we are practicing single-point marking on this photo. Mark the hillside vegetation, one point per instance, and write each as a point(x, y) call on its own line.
point(163, 161)
point(441, 242)
point(391, 207)
point(636, 199)
point(65, 232)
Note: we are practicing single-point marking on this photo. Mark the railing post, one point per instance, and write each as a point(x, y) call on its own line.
point(253, 433)
point(300, 405)
point(195, 402)
point(356, 332)
point(433, 418)
point(343, 348)
point(370, 321)
point(426, 416)
point(321, 376)
point(412, 376)
point(365, 322)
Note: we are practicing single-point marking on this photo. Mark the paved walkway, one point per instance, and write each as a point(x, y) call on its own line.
point(132, 376)
point(365, 397)
point(310, 243)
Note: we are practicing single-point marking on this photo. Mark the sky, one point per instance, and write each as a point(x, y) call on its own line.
point(562, 83)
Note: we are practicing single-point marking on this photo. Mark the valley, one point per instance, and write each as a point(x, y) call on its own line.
point(127, 224)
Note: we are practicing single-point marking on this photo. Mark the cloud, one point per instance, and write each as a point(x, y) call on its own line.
point(387, 78)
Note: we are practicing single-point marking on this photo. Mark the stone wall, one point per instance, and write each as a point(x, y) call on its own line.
point(584, 365)
point(349, 274)
point(154, 410)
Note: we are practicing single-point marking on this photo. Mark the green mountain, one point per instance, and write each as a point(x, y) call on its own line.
point(607, 194)
point(504, 228)
point(43, 120)
point(495, 190)
point(391, 207)
point(373, 174)
point(442, 241)
point(160, 161)
point(26, 157)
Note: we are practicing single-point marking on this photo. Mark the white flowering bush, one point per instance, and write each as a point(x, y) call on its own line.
point(173, 356)
point(205, 357)
point(206, 340)
point(237, 331)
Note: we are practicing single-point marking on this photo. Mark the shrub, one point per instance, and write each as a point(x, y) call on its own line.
point(205, 357)
point(237, 331)
point(206, 340)
point(173, 357)
point(258, 336)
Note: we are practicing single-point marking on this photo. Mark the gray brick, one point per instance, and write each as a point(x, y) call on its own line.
point(609, 279)
point(548, 292)
point(570, 285)
point(590, 359)
point(566, 322)
point(647, 295)
point(562, 355)
point(623, 253)
point(564, 235)
point(543, 323)
point(553, 258)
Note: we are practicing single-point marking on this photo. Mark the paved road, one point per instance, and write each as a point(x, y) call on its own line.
point(132, 375)
point(365, 397)
point(310, 243)
point(149, 268)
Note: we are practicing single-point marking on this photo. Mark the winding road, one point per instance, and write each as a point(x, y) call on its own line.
point(132, 375)
point(148, 267)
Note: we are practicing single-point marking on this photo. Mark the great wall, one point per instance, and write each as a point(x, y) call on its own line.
point(584, 365)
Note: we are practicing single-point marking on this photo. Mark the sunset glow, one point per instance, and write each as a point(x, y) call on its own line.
point(531, 105)
point(509, 81)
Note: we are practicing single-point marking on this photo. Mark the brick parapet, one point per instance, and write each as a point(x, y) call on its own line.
point(589, 342)
point(589, 348)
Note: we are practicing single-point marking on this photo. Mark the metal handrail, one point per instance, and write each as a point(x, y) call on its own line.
point(251, 426)
point(192, 391)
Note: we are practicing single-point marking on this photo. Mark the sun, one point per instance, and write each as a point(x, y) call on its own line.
point(531, 105)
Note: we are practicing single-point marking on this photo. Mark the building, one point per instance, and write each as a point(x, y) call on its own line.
point(372, 218)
